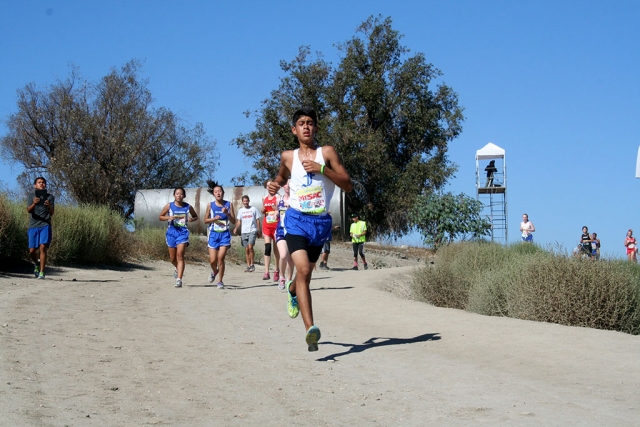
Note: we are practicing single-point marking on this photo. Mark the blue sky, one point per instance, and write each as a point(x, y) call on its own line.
point(554, 83)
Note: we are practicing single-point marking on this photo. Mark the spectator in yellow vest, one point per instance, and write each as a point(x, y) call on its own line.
point(358, 232)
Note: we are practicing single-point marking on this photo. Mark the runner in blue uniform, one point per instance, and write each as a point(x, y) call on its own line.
point(178, 213)
point(314, 172)
point(285, 258)
point(219, 213)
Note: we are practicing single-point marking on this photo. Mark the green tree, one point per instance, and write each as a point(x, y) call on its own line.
point(379, 110)
point(443, 218)
point(101, 142)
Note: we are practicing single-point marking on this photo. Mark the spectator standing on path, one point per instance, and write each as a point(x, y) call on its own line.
point(631, 245)
point(490, 170)
point(595, 246)
point(315, 172)
point(358, 233)
point(326, 250)
point(526, 228)
point(218, 215)
point(249, 225)
point(40, 212)
point(269, 224)
point(585, 243)
point(177, 214)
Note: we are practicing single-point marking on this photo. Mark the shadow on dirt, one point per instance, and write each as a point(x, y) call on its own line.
point(374, 342)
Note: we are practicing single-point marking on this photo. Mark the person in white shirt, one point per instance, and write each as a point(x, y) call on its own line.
point(250, 229)
point(526, 228)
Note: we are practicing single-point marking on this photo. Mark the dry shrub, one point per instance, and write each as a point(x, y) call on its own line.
point(88, 234)
point(527, 282)
point(558, 289)
point(13, 230)
point(151, 244)
point(457, 267)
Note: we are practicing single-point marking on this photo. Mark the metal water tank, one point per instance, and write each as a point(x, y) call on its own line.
point(149, 204)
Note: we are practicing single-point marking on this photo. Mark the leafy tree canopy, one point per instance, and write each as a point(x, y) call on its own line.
point(101, 142)
point(381, 112)
point(443, 218)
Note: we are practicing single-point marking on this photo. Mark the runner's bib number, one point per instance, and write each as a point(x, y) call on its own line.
point(220, 225)
point(311, 200)
point(180, 220)
point(272, 217)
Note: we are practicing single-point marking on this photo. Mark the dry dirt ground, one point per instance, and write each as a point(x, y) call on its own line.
point(123, 347)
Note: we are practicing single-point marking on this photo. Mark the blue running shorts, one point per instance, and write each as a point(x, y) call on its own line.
point(219, 239)
point(39, 236)
point(177, 237)
point(315, 228)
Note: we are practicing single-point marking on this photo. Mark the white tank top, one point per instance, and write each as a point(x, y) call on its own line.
point(311, 193)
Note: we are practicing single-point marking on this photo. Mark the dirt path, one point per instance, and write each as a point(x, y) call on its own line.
point(90, 347)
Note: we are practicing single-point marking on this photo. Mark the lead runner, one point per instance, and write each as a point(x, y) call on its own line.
point(314, 172)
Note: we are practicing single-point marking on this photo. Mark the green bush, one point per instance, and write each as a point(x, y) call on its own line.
point(528, 282)
point(13, 230)
point(457, 267)
point(88, 234)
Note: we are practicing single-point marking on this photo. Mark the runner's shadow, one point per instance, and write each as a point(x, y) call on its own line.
point(262, 285)
point(331, 288)
point(372, 343)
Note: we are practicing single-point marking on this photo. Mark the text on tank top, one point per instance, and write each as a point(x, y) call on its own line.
point(180, 214)
point(222, 224)
point(271, 213)
point(311, 193)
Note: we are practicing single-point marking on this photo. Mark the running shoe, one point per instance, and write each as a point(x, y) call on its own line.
point(36, 270)
point(266, 276)
point(41, 275)
point(355, 267)
point(178, 283)
point(220, 285)
point(175, 273)
point(366, 266)
point(252, 268)
point(276, 276)
point(292, 303)
point(281, 285)
point(312, 338)
point(248, 269)
point(212, 276)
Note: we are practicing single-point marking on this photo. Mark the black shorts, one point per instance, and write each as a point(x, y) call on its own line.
point(297, 243)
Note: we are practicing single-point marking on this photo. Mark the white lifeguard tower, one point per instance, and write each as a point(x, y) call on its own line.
point(492, 190)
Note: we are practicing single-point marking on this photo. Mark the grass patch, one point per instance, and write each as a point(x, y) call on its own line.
point(13, 231)
point(88, 234)
point(528, 282)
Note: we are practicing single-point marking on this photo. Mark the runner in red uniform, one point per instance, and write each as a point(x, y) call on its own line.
point(270, 219)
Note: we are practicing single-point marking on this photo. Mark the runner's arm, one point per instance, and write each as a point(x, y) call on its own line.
point(192, 212)
point(163, 215)
point(286, 160)
point(232, 214)
point(207, 214)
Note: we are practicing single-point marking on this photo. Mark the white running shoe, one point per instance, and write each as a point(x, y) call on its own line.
point(178, 283)
point(220, 285)
point(211, 277)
